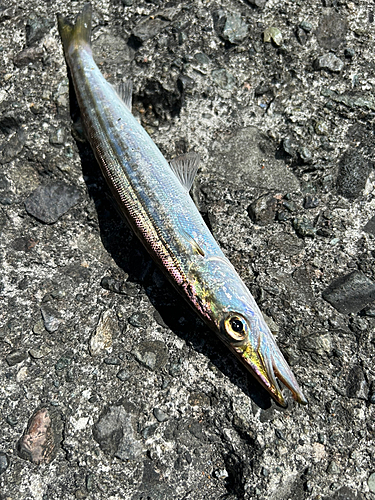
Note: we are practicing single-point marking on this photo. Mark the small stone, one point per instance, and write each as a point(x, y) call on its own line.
point(147, 29)
point(123, 375)
point(321, 128)
point(370, 226)
point(304, 227)
point(350, 293)
point(349, 53)
point(263, 210)
point(223, 79)
point(230, 26)
point(38, 327)
point(50, 320)
point(152, 354)
point(11, 149)
point(352, 175)
point(329, 62)
point(16, 357)
point(258, 3)
point(62, 363)
point(371, 482)
point(4, 462)
point(102, 338)
point(199, 399)
point(112, 361)
point(115, 434)
point(202, 58)
point(310, 201)
point(48, 203)
point(356, 384)
point(160, 415)
point(28, 56)
point(36, 28)
point(221, 474)
point(139, 319)
point(57, 137)
point(273, 34)
point(305, 154)
point(38, 442)
point(333, 468)
point(306, 26)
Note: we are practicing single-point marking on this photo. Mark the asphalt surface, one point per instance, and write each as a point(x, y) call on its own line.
point(111, 388)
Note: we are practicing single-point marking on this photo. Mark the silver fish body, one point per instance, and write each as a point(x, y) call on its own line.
point(154, 198)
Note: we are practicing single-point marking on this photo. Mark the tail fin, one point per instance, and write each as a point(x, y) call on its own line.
point(78, 33)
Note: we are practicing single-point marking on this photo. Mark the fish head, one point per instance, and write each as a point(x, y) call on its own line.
point(240, 324)
point(231, 311)
point(249, 338)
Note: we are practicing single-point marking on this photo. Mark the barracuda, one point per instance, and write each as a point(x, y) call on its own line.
point(153, 196)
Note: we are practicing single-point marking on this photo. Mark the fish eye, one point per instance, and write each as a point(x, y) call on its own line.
point(236, 327)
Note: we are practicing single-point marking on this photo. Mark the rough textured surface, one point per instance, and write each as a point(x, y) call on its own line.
point(162, 410)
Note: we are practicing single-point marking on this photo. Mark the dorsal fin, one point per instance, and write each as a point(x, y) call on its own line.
point(125, 91)
point(185, 167)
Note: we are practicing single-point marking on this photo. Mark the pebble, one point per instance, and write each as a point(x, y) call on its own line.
point(333, 468)
point(28, 56)
point(221, 474)
point(102, 338)
point(370, 226)
point(57, 137)
point(4, 462)
point(123, 375)
point(371, 482)
point(310, 201)
point(112, 361)
point(305, 154)
point(115, 434)
point(15, 357)
point(147, 29)
point(50, 320)
point(48, 203)
point(152, 354)
point(139, 319)
point(11, 149)
point(304, 227)
point(352, 175)
point(223, 78)
point(274, 34)
point(160, 415)
point(306, 26)
point(36, 28)
point(350, 293)
point(202, 58)
point(329, 62)
point(230, 26)
point(38, 441)
point(349, 52)
point(263, 210)
point(356, 384)
point(199, 399)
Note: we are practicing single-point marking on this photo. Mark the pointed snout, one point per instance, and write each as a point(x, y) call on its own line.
point(268, 365)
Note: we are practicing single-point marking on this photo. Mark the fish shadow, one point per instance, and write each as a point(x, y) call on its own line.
point(130, 256)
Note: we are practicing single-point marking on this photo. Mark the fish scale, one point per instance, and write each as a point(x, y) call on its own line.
point(153, 196)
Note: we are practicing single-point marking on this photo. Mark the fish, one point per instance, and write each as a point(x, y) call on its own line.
point(152, 195)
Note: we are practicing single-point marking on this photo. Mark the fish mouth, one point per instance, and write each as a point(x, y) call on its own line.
point(267, 365)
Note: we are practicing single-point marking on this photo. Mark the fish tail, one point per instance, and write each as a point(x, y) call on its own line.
point(78, 34)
